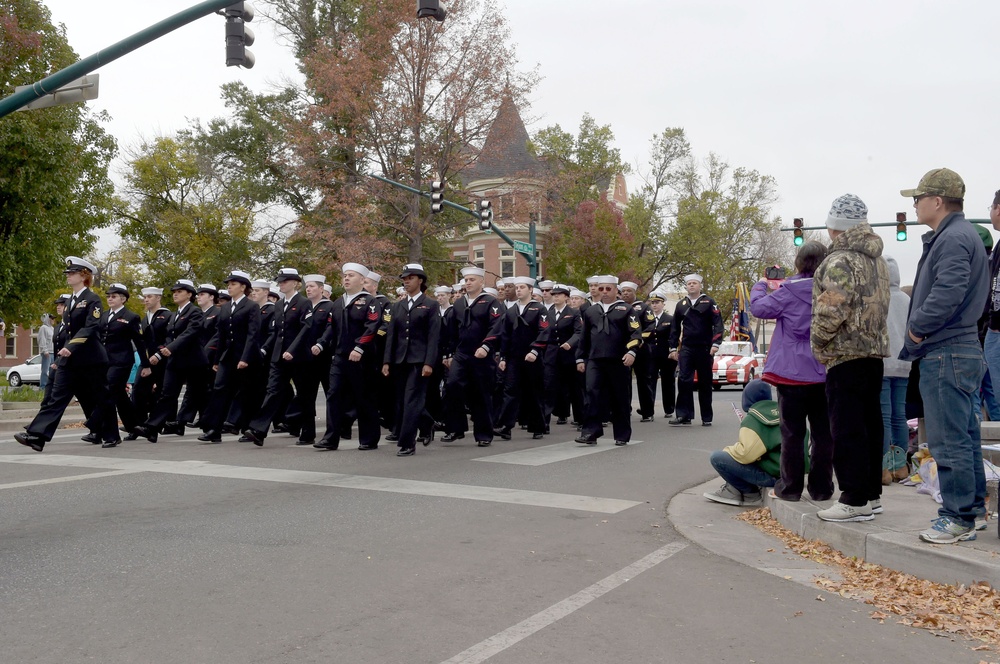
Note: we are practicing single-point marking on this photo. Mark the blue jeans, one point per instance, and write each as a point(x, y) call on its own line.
point(991, 352)
point(894, 414)
point(46, 363)
point(745, 478)
point(950, 376)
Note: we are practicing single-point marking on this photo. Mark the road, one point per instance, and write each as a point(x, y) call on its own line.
point(527, 551)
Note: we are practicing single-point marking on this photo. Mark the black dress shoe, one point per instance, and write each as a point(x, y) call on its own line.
point(561, 420)
point(365, 448)
point(326, 446)
point(484, 443)
point(586, 440)
point(450, 437)
point(253, 436)
point(439, 426)
point(229, 428)
point(91, 438)
point(142, 431)
point(111, 443)
point(706, 424)
point(279, 428)
point(210, 436)
point(30, 440)
point(300, 441)
point(345, 435)
point(392, 438)
point(668, 413)
point(131, 436)
point(537, 436)
point(619, 443)
point(173, 429)
point(426, 440)
point(503, 433)
point(406, 451)
point(244, 439)
point(647, 419)
point(679, 422)
point(524, 427)
point(196, 424)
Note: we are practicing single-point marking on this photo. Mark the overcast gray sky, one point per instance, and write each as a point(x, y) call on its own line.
point(829, 98)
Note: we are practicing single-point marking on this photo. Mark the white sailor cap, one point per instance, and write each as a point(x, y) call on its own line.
point(318, 278)
point(492, 291)
point(75, 264)
point(411, 269)
point(546, 283)
point(239, 276)
point(536, 291)
point(400, 290)
point(288, 274)
point(328, 289)
point(152, 291)
point(694, 277)
point(607, 279)
point(473, 271)
point(577, 293)
point(501, 283)
point(629, 284)
point(442, 290)
point(208, 288)
point(592, 280)
point(374, 276)
point(354, 267)
point(274, 290)
point(119, 289)
point(260, 283)
point(457, 288)
point(528, 281)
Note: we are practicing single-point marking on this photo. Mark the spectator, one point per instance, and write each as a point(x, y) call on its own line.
point(949, 294)
point(895, 372)
point(754, 461)
point(799, 377)
point(3, 337)
point(989, 323)
point(849, 336)
point(45, 349)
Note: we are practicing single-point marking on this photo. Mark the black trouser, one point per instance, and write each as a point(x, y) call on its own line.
point(278, 396)
point(228, 396)
point(411, 399)
point(240, 413)
point(563, 391)
point(796, 403)
point(196, 396)
point(146, 390)
point(665, 370)
point(521, 398)
point(352, 382)
point(852, 395)
point(120, 400)
point(301, 412)
point(165, 409)
point(89, 380)
point(694, 359)
point(608, 383)
point(435, 404)
point(470, 381)
point(645, 384)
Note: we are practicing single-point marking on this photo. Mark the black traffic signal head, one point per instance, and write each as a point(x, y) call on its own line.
point(238, 36)
point(430, 9)
point(900, 226)
point(437, 196)
point(485, 215)
point(798, 239)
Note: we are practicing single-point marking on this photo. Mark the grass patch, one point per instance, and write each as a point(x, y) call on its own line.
point(23, 394)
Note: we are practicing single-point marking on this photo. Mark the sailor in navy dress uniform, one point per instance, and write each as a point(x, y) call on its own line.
point(122, 337)
point(612, 333)
point(435, 403)
point(411, 353)
point(694, 339)
point(522, 371)
point(385, 395)
point(257, 373)
point(563, 393)
point(354, 322)
point(643, 361)
point(197, 391)
point(663, 367)
point(238, 350)
point(58, 341)
point(184, 358)
point(83, 363)
point(148, 384)
point(290, 316)
point(473, 336)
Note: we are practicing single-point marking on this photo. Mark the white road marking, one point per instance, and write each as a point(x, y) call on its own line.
point(70, 478)
point(539, 456)
point(388, 484)
point(497, 643)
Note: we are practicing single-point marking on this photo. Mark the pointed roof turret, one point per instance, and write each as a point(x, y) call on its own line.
point(505, 151)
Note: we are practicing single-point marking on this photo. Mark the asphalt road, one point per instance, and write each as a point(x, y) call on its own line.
point(182, 552)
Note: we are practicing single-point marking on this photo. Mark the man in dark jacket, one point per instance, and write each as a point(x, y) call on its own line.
point(522, 376)
point(122, 337)
point(949, 294)
point(563, 393)
point(149, 384)
point(694, 339)
point(663, 368)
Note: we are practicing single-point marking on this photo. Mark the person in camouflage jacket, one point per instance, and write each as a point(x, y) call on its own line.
point(849, 335)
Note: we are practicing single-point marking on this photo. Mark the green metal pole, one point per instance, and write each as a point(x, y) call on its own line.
point(533, 263)
point(51, 83)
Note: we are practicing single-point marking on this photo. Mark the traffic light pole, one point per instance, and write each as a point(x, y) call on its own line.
point(529, 257)
point(880, 223)
point(51, 83)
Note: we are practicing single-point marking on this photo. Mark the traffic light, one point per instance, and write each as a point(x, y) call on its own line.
point(901, 227)
point(238, 36)
point(485, 215)
point(430, 9)
point(798, 239)
point(437, 196)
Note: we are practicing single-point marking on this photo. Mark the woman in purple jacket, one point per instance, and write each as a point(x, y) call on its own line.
point(799, 377)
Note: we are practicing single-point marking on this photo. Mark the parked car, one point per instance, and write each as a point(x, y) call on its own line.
point(28, 373)
point(735, 364)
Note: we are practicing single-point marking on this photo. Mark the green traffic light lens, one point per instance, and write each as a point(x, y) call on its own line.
point(900, 236)
point(797, 241)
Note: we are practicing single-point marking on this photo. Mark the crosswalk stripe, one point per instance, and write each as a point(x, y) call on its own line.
point(539, 456)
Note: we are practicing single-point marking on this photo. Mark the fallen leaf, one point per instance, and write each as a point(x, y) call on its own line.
point(820, 598)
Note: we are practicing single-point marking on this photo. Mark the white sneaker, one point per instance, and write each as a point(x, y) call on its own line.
point(842, 512)
point(726, 495)
point(876, 506)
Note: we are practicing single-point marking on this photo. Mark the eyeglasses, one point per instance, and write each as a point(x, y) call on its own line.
point(546, 290)
point(605, 288)
point(917, 199)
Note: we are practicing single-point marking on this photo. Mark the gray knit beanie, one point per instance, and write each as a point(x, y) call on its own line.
point(846, 212)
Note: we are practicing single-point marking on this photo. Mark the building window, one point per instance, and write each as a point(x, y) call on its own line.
point(538, 262)
point(479, 259)
point(34, 342)
point(506, 263)
point(10, 349)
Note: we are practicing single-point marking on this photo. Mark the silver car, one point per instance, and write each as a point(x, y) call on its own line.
point(30, 372)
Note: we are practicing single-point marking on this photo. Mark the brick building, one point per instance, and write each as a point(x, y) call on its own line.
point(17, 346)
point(506, 173)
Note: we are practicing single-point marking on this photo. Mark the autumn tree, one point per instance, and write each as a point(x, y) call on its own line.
point(592, 241)
point(54, 186)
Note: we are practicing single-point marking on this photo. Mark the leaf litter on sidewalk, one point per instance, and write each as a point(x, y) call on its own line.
point(966, 610)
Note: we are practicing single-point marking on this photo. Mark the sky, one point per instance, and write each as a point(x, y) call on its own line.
point(828, 98)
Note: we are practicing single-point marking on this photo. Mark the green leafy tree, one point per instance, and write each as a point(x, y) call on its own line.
point(54, 186)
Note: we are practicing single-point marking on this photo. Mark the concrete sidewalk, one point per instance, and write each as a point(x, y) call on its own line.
point(890, 540)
